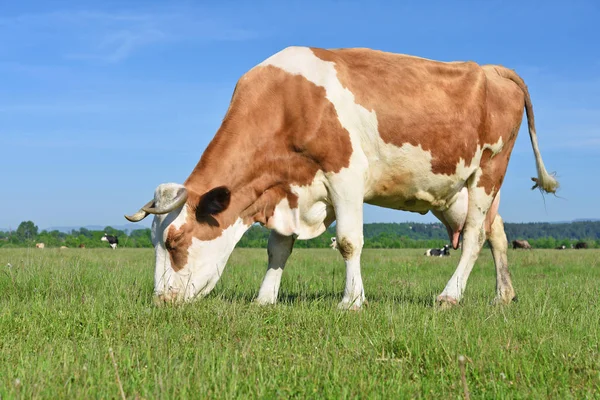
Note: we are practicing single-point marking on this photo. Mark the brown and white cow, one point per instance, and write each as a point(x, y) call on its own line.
point(40, 245)
point(521, 244)
point(312, 134)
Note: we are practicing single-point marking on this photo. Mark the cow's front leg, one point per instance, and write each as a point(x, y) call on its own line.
point(279, 249)
point(349, 239)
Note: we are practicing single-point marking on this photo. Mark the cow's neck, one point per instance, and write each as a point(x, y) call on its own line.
point(257, 179)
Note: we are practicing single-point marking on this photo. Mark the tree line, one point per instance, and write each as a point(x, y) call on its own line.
point(377, 235)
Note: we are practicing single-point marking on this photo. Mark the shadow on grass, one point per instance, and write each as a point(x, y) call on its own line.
point(291, 298)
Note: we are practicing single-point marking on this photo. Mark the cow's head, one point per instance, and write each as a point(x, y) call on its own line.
point(193, 236)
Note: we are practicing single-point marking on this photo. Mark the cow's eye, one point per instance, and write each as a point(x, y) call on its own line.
point(169, 245)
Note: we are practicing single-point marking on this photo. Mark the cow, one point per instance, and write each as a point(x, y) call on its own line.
point(82, 246)
point(581, 245)
point(333, 244)
point(63, 247)
point(444, 251)
point(312, 134)
point(562, 247)
point(113, 241)
point(521, 244)
point(40, 245)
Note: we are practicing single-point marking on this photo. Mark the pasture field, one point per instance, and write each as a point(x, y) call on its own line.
point(61, 312)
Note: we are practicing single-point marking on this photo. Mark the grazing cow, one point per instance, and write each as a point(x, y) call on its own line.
point(113, 241)
point(444, 251)
point(63, 247)
point(581, 245)
point(82, 246)
point(521, 244)
point(40, 245)
point(311, 134)
point(333, 244)
point(563, 247)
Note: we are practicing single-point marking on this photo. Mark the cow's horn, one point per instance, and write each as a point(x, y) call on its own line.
point(163, 202)
point(177, 202)
point(140, 215)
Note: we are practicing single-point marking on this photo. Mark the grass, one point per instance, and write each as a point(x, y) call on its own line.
point(61, 312)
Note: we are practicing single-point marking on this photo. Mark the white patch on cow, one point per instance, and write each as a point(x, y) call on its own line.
point(206, 261)
point(113, 245)
point(354, 292)
point(270, 286)
point(315, 211)
point(181, 217)
point(312, 216)
point(284, 220)
point(104, 239)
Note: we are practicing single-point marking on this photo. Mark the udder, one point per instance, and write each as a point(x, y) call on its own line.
point(455, 216)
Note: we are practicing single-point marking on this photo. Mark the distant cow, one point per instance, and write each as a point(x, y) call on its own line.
point(82, 246)
point(581, 245)
point(444, 251)
point(112, 240)
point(521, 244)
point(561, 247)
point(333, 244)
point(63, 247)
point(40, 245)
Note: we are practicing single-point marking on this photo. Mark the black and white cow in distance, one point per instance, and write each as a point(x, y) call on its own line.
point(113, 241)
point(444, 251)
point(333, 244)
point(310, 135)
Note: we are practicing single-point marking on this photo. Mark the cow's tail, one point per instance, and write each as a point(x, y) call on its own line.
point(544, 180)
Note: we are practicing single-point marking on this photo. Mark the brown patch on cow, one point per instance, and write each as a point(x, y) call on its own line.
point(279, 131)
point(438, 106)
point(505, 101)
point(346, 248)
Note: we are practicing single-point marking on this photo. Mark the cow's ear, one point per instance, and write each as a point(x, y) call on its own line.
point(213, 202)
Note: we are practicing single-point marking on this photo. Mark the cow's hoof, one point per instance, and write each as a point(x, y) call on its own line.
point(264, 302)
point(355, 305)
point(446, 302)
point(504, 300)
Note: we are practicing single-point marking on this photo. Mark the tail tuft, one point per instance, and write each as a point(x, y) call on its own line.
point(546, 183)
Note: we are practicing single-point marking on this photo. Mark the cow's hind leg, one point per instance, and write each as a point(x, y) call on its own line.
point(473, 239)
point(505, 292)
point(279, 249)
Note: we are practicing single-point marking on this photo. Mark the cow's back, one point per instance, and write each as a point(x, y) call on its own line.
point(416, 101)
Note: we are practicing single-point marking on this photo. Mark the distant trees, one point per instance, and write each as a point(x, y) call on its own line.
point(377, 235)
point(27, 235)
point(27, 231)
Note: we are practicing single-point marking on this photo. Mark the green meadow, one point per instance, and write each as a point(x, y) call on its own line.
point(63, 311)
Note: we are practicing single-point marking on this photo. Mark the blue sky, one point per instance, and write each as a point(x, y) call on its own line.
point(102, 101)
